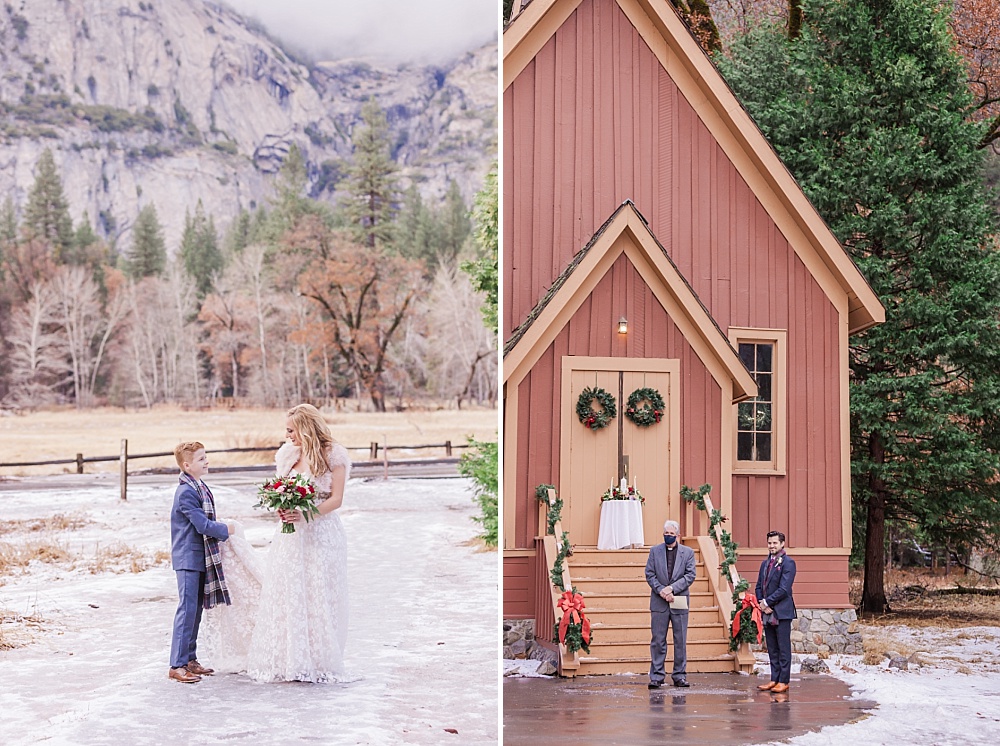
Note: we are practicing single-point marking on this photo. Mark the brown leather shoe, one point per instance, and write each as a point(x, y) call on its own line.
point(183, 675)
point(768, 686)
point(779, 689)
point(199, 670)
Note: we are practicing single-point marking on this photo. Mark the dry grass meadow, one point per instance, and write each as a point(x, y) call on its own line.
point(921, 597)
point(62, 433)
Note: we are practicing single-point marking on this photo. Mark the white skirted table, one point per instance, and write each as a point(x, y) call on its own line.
point(621, 525)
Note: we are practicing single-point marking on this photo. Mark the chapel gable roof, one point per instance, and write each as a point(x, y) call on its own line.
point(533, 23)
point(553, 311)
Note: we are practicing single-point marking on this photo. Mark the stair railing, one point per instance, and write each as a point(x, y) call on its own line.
point(724, 585)
point(555, 543)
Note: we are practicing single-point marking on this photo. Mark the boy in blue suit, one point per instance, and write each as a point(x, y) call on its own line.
point(774, 591)
point(194, 535)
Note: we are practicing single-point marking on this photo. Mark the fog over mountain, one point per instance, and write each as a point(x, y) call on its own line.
point(172, 101)
point(392, 30)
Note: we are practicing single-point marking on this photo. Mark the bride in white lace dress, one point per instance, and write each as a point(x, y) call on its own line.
point(288, 618)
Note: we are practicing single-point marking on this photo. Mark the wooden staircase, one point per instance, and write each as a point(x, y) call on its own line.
point(613, 585)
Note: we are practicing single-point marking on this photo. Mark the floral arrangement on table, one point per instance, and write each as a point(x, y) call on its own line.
point(617, 493)
point(288, 493)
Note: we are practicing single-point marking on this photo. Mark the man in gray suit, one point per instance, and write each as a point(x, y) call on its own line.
point(670, 573)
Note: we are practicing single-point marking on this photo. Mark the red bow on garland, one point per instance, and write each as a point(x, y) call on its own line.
point(749, 601)
point(572, 606)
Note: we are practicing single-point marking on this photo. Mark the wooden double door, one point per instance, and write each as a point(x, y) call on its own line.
point(591, 460)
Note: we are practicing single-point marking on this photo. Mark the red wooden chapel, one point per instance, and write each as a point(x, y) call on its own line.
point(652, 238)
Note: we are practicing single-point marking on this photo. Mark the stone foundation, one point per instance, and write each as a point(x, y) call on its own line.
point(519, 643)
point(825, 631)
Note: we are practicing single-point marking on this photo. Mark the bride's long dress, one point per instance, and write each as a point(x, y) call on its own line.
point(288, 618)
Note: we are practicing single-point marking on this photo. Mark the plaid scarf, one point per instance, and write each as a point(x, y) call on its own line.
point(216, 591)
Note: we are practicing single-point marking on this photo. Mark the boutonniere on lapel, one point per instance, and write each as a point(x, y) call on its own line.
point(780, 560)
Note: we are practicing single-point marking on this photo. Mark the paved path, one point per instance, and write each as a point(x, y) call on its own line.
point(718, 709)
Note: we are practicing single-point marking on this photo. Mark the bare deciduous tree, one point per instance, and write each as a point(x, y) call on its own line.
point(84, 326)
point(34, 361)
point(461, 353)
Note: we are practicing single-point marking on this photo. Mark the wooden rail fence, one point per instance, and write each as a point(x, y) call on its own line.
point(124, 456)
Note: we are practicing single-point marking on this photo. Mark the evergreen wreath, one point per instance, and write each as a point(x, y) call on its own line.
point(596, 419)
point(645, 407)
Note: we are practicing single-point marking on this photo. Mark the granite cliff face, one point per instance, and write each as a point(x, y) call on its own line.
point(172, 101)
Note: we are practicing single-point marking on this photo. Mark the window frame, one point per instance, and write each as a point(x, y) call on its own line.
point(779, 424)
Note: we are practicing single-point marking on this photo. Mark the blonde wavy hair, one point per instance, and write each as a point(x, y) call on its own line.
point(315, 436)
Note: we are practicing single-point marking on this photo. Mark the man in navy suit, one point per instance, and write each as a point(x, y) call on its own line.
point(670, 573)
point(774, 592)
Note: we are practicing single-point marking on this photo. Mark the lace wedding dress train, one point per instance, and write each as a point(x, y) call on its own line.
point(288, 618)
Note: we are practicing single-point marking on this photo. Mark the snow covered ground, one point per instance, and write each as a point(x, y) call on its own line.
point(951, 697)
point(423, 634)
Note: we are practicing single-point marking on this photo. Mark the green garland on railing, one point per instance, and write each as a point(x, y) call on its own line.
point(729, 548)
point(698, 498)
point(748, 631)
point(556, 576)
point(715, 518)
point(574, 631)
point(555, 510)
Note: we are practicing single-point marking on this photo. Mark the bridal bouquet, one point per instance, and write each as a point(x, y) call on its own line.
point(288, 493)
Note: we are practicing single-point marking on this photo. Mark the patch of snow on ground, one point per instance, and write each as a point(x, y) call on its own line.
point(522, 668)
point(422, 635)
point(952, 698)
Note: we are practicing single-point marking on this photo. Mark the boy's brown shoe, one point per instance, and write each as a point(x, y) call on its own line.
point(767, 687)
point(183, 675)
point(199, 670)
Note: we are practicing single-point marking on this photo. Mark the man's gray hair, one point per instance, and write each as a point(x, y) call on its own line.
point(672, 524)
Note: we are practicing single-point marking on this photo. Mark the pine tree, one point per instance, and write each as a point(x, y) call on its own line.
point(149, 254)
point(8, 233)
point(46, 216)
point(84, 237)
point(238, 235)
point(417, 232)
point(485, 270)
point(455, 225)
point(869, 109)
point(372, 191)
point(293, 179)
point(199, 250)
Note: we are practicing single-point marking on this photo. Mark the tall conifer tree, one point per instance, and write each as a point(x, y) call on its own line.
point(485, 270)
point(149, 254)
point(372, 191)
point(869, 109)
point(200, 249)
point(8, 232)
point(47, 213)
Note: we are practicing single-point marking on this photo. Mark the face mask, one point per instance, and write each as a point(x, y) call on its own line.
point(669, 540)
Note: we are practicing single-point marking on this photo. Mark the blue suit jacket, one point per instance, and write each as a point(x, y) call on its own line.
point(656, 574)
point(188, 525)
point(778, 593)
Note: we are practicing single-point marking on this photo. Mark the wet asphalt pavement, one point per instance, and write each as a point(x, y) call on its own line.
point(718, 709)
